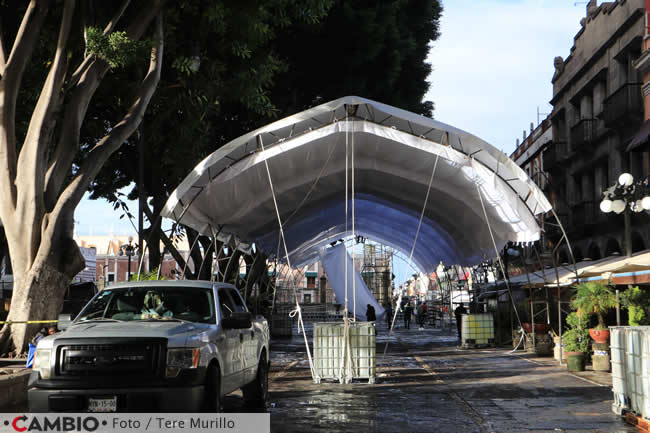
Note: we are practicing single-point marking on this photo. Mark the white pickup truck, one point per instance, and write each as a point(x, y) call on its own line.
point(170, 346)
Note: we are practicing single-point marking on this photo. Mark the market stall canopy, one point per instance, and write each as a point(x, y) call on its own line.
point(584, 269)
point(614, 265)
point(394, 154)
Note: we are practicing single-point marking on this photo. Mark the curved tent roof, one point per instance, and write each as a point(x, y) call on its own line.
point(394, 155)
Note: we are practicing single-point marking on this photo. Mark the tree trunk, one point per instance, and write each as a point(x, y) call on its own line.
point(154, 235)
point(38, 296)
point(232, 269)
point(4, 254)
point(255, 271)
point(205, 268)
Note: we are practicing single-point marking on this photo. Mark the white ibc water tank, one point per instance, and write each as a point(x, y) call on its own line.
point(477, 330)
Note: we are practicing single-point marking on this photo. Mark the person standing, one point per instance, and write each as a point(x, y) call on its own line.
point(458, 312)
point(408, 312)
point(370, 313)
point(422, 313)
point(389, 314)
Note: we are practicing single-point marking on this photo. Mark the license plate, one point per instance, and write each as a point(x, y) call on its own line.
point(102, 404)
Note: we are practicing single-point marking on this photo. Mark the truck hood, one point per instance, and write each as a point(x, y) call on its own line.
point(176, 332)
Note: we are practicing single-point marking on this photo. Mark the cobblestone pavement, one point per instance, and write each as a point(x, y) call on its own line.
point(425, 383)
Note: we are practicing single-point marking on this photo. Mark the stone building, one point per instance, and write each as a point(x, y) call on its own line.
point(597, 110)
point(528, 154)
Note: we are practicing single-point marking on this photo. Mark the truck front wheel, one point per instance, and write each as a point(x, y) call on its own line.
point(256, 393)
point(212, 399)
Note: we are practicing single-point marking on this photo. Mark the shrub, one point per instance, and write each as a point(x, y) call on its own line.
point(637, 302)
point(594, 297)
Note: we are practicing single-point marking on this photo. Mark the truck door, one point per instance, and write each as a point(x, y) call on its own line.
point(249, 341)
point(229, 345)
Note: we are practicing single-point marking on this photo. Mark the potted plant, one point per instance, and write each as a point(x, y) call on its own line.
point(637, 302)
point(576, 342)
point(595, 297)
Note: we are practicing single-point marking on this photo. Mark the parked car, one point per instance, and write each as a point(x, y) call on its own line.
point(154, 346)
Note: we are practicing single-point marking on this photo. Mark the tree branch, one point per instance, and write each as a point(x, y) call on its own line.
point(116, 18)
point(9, 87)
point(33, 155)
point(3, 55)
point(88, 170)
point(169, 244)
point(89, 81)
point(109, 28)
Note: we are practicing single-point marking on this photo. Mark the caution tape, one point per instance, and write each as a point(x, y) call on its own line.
point(10, 322)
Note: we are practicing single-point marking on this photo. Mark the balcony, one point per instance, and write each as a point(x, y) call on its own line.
point(555, 156)
point(582, 133)
point(624, 106)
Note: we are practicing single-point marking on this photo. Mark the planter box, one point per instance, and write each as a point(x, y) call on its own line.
point(329, 350)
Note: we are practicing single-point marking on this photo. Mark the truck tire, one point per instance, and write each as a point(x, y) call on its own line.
point(212, 398)
point(256, 393)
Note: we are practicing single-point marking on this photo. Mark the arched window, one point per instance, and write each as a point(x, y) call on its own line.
point(594, 252)
point(612, 247)
point(637, 242)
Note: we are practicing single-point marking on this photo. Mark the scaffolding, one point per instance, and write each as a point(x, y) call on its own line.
point(376, 271)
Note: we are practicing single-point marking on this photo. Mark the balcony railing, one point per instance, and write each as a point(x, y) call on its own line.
point(623, 106)
point(549, 157)
point(556, 155)
point(582, 133)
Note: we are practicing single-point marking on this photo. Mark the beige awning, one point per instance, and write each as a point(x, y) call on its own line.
point(638, 262)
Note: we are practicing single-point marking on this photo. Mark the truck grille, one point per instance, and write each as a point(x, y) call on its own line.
point(141, 359)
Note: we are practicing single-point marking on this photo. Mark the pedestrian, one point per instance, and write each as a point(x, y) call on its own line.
point(389, 314)
point(370, 313)
point(458, 312)
point(408, 312)
point(44, 332)
point(422, 313)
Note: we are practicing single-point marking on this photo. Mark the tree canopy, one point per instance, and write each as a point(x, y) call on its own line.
point(269, 67)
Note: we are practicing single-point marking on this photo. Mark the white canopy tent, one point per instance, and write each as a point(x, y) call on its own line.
point(394, 153)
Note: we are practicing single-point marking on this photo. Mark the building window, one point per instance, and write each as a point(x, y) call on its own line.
point(306, 298)
point(110, 277)
point(311, 282)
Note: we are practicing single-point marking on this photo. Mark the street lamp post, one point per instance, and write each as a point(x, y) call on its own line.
point(625, 197)
point(129, 250)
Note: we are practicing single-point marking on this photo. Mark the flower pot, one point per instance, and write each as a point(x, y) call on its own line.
point(600, 336)
point(575, 361)
point(539, 327)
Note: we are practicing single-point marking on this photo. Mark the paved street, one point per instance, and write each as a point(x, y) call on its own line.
point(426, 384)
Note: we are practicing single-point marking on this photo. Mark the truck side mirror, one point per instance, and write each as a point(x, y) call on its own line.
point(241, 320)
point(64, 321)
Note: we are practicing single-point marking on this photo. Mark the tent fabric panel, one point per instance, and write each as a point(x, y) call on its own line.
point(358, 295)
point(241, 181)
point(228, 192)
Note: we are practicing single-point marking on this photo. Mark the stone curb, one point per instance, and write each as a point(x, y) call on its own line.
point(13, 387)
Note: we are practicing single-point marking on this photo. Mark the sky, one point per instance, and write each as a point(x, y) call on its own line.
point(492, 69)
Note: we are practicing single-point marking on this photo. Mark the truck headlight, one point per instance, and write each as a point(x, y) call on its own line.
point(42, 363)
point(178, 359)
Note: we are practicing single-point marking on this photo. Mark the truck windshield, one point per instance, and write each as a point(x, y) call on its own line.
point(193, 304)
